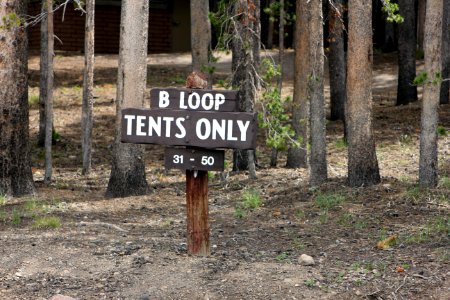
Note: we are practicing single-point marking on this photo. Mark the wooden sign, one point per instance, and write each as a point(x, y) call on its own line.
point(189, 128)
point(194, 159)
point(194, 99)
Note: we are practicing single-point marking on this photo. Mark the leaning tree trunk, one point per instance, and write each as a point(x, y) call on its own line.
point(49, 99)
point(445, 87)
point(362, 159)
point(318, 158)
point(200, 37)
point(244, 72)
point(428, 162)
point(87, 117)
point(297, 157)
point(16, 178)
point(128, 168)
point(406, 91)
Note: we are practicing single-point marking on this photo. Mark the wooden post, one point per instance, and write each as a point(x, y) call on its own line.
point(197, 212)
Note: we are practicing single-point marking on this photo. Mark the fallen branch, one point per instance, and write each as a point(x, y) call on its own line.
point(103, 224)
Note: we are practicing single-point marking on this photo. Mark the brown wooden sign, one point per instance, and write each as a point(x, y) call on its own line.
point(194, 159)
point(194, 99)
point(189, 128)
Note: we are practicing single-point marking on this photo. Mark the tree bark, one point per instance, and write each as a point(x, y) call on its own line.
point(49, 99)
point(297, 157)
point(200, 37)
point(128, 170)
point(244, 70)
point(87, 117)
point(337, 61)
point(281, 46)
point(270, 28)
point(43, 75)
point(428, 162)
point(362, 160)
point(406, 91)
point(318, 158)
point(445, 87)
point(421, 13)
point(16, 178)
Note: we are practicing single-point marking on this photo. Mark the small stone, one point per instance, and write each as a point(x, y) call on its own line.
point(61, 297)
point(306, 260)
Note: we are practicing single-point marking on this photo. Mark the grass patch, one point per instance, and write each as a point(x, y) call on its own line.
point(327, 201)
point(436, 229)
point(46, 223)
point(443, 182)
point(341, 144)
point(16, 218)
point(33, 100)
point(239, 212)
point(251, 199)
point(441, 131)
point(2, 199)
point(282, 256)
point(310, 283)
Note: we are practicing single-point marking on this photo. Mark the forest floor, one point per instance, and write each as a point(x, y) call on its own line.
point(69, 239)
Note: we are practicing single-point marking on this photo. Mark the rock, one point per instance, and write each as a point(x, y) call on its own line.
point(61, 297)
point(306, 260)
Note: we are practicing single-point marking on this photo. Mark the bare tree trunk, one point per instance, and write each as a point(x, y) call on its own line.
point(445, 87)
point(337, 61)
point(270, 28)
point(49, 100)
point(318, 159)
point(128, 168)
point(428, 162)
point(244, 72)
point(421, 13)
point(16, 178)
point(43, 76)
point(406, 91)
point(200, 37)
point(362, 160)
point(297, 157)
point(87, 117)
point(281, 46)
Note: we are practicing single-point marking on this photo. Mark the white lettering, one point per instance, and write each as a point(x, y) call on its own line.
point(168, 120)
point(182, 105)
point(163, 99)
point(198, 129)
point(243, 128)
point(129, 119)
point(218, 128)
point(139, 124)
point(220, 99)
point(230, 136)
point(205, 98)
point(154, 126)
point(191, 99)
point(180, 126)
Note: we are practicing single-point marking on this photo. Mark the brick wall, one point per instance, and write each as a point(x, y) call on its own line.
point(107, 30)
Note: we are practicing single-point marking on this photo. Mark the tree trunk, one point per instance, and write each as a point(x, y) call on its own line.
point(128, 168)
point(43, 75)
point(244, 71)
point(421, 12)
point(281, 46)
point(337, 61)
point(362, 160)
point(16, 178)
point(200, 37)
point(406, 91)
point(270, 28)
point(445, 87)
point(87, 117)
point(428, 162)
point(297, 157)
point(49, 100)
point(318, 159)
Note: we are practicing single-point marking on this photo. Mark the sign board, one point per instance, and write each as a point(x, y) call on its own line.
point(194, 159)
point(235, 130)
point(194, 99)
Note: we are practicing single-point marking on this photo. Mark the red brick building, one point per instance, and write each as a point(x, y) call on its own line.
point(169, 27)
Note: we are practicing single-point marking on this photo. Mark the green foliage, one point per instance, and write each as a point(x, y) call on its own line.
point(392, 11)
point(444, 182)
point(221, 21)
point(327, 201)
point(282, 256)
point(423, 79)
point(274, 117)
point(239, 212)
point(436, 229)
point(341, 144)
point(16, 218)
point(310, 283)
point(441, 131)
point(46, 223)
point(273, 10)
point(11, 21)
point(2, 199)
point(251, 199)
point(33, 100)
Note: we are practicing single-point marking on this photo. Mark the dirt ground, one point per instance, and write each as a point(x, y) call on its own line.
point(135, 248)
